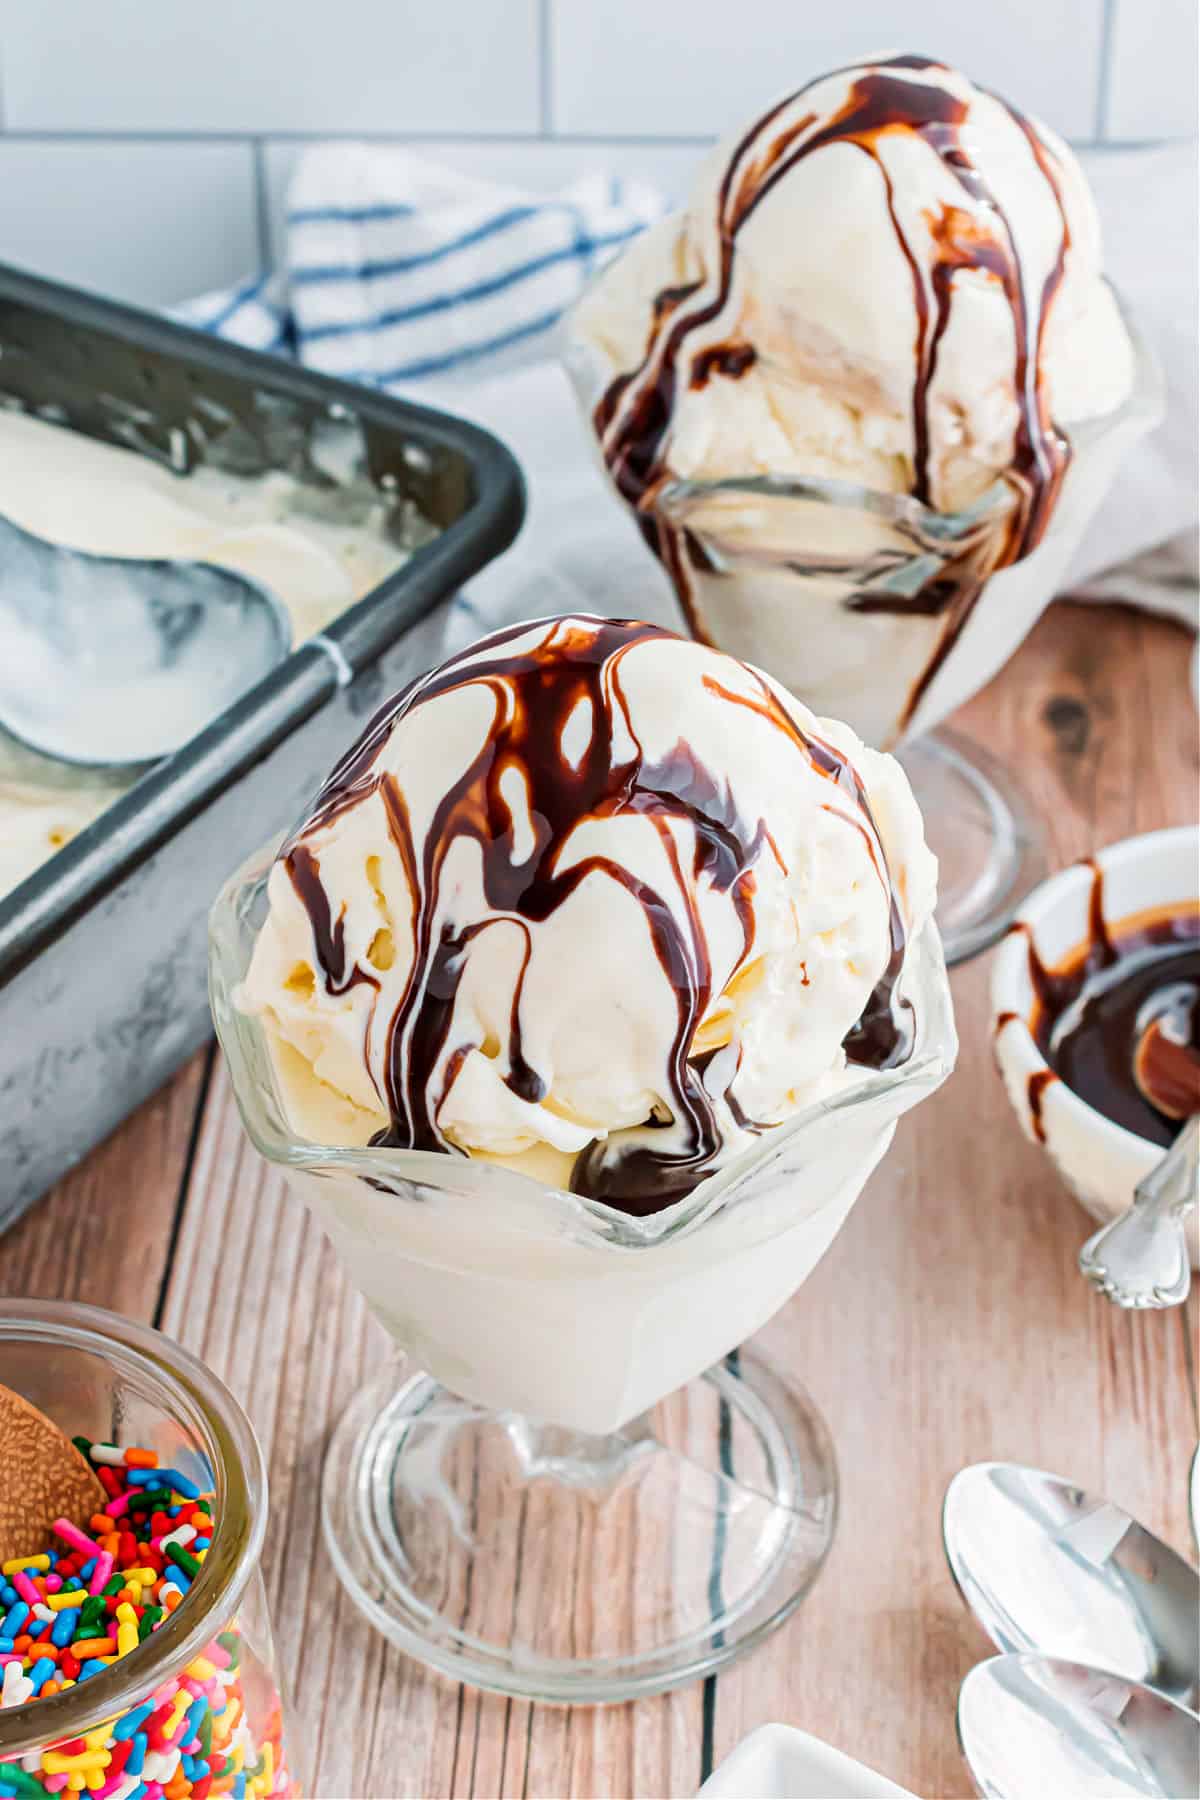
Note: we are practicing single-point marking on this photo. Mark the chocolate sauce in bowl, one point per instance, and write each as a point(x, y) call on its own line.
point(633, 417)
point(1119, 1020)
point(537, 687)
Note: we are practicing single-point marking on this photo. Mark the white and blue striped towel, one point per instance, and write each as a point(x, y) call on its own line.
point(398, 270)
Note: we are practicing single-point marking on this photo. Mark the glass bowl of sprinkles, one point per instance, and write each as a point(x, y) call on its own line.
point(136, 1659)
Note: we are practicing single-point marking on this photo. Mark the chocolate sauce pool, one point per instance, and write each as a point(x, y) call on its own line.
point(538, 688)
point(1119, 1022)
point(633, 417)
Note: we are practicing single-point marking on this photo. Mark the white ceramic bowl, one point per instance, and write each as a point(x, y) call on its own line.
point(777, 1762)
point(1100, 1162)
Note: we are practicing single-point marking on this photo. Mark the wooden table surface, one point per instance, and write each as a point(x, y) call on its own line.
point(946, 1325)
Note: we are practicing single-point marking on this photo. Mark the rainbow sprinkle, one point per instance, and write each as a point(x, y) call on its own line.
point(67, 1613)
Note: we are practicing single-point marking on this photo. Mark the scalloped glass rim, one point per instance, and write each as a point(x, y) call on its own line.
point(679, 494)
point(234, 920)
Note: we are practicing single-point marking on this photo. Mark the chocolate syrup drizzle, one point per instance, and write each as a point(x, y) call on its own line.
point(1119, 1020)
point(633, 417)
point(537, 688)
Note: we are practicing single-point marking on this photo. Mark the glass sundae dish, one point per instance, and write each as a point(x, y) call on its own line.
point(579, 1009)
point(864, 395)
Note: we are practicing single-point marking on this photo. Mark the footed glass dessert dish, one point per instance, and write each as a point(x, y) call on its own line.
point(881, 611)
point(571, 1485)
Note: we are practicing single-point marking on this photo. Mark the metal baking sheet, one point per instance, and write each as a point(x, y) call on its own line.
point(103, 983)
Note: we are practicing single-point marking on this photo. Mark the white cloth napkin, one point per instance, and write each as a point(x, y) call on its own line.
point(399, 271)
point(412, 277)
point(1142, 546)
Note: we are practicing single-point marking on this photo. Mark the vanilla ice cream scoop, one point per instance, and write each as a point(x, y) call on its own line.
point(892, 279)
point(598, 901)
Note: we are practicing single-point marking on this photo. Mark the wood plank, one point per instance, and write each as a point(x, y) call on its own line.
point(76, 1243)
point(949, 1323)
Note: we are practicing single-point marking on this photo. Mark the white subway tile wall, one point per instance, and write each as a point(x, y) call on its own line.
point(270, 65)
point(147, 222)
point(701, 68)
point(145, 149)
point(1152, 69)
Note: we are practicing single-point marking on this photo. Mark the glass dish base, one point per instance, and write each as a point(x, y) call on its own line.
point(989, 845)
point(540, 1563)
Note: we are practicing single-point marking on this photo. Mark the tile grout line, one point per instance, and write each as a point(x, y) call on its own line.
point(647, 140)
point(523, 139)
point(1108, 18)
point(185, 1178)
point(262, 219)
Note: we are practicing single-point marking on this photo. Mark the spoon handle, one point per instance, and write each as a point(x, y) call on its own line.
point(1141, 1258)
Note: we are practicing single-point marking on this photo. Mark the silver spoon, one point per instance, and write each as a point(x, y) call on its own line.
point(1140, 1259)
point(1048, 1568)
point(1032, 1725)
point(107, 660)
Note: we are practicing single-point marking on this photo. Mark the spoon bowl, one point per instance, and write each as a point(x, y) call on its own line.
point(1140, 1259)
point(1032, 1724)
point(1047, 1568)
point(113, 662)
